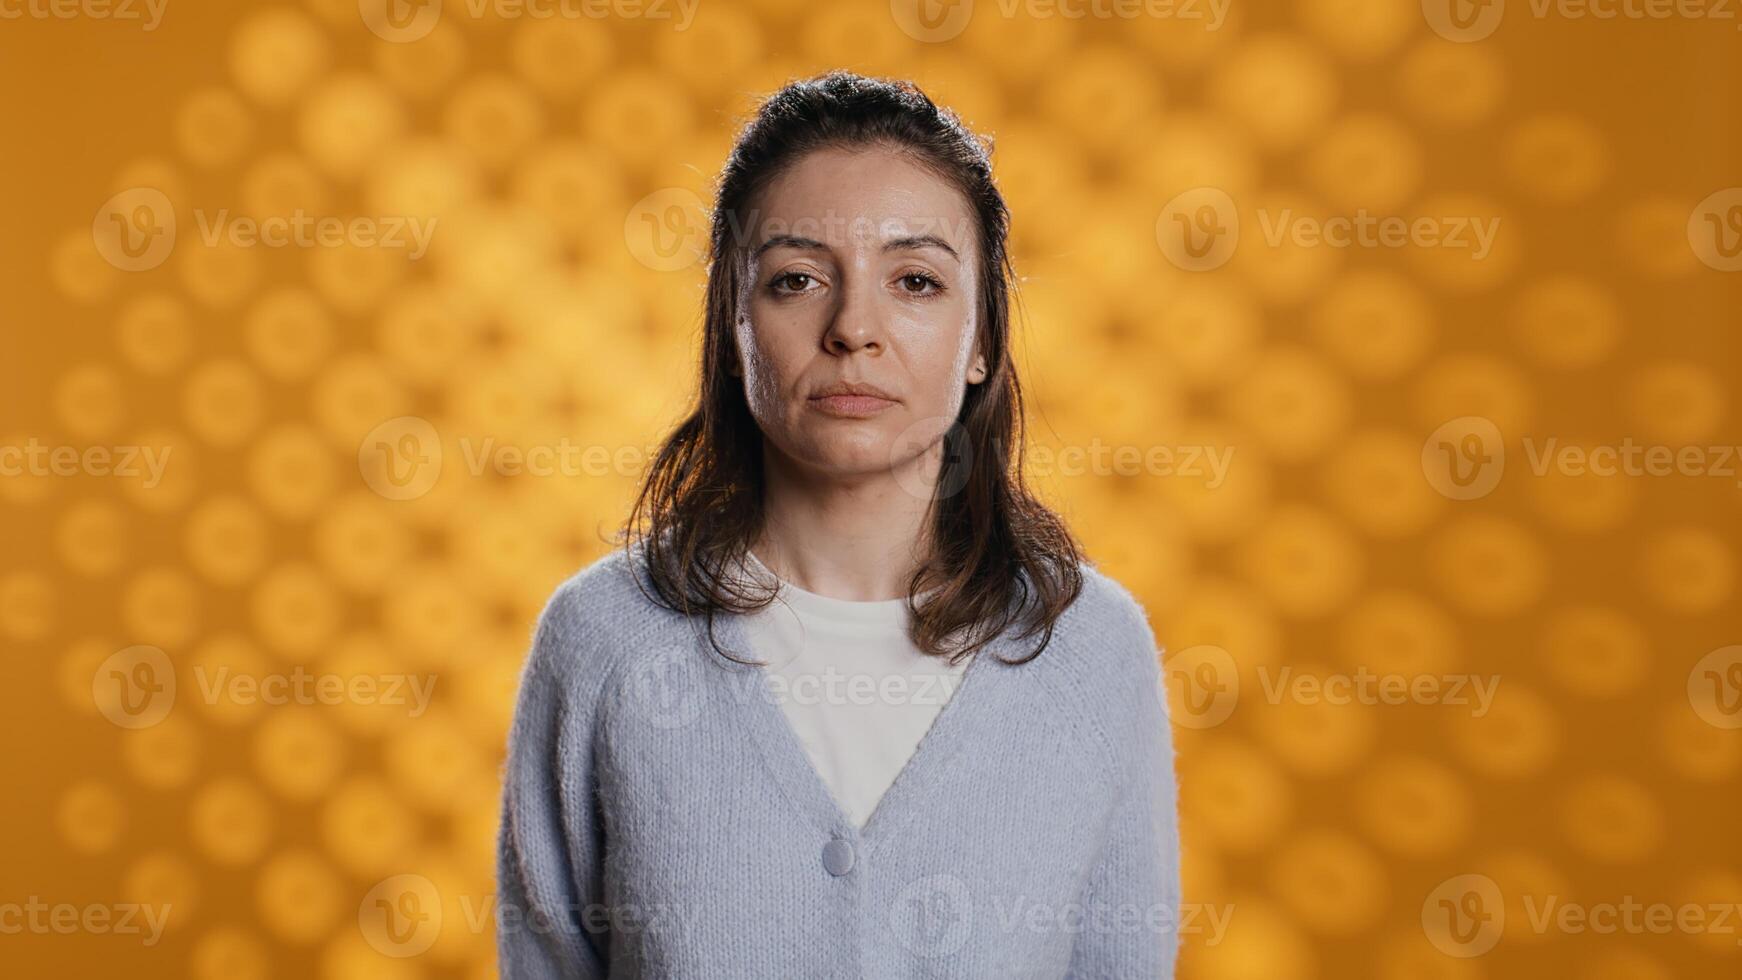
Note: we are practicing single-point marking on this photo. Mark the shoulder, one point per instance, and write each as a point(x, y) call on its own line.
point(589, 595)
point(594, 589)
point(595, 617)
point(1119, 661)
point(1101, 671)
point(1111, 644)
point(1107, 617)
point(1102, 642)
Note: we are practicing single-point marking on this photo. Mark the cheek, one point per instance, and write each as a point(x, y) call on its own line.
point(770, 362)
point(940, 348)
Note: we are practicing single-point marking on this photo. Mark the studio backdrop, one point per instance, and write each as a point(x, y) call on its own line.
point(1386, 350)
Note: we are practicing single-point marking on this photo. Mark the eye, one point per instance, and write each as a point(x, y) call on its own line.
point(921, 283)
point(791, 283)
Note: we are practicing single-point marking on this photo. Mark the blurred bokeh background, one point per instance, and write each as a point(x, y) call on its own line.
point(343, 468)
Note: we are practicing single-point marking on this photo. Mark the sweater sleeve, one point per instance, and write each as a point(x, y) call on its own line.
point(1131, 904)
point(549, 888)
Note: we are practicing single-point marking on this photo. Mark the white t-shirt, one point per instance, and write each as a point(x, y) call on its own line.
point(856, 691)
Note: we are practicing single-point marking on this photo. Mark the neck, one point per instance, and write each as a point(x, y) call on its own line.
point(858, 539)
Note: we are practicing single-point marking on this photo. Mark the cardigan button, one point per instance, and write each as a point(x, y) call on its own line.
point(838, 856)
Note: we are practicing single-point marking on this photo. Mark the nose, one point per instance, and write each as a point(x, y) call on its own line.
point(854, 325)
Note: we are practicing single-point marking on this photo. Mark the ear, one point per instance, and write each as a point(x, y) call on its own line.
point(977, 370)
point(734, 364)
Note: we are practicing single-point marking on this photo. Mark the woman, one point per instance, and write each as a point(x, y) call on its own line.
point(844, 501)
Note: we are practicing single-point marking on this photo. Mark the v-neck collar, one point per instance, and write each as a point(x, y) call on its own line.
point(791, 766)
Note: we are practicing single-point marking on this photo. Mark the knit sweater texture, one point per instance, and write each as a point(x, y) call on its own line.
point(662, 820)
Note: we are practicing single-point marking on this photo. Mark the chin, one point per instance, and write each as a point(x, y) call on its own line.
point(860, 447)
point(856, 458)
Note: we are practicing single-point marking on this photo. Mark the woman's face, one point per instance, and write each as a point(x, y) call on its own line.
point(857, 333)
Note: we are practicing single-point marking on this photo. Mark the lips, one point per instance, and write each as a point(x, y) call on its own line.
point(852, 388)
point(851, 400)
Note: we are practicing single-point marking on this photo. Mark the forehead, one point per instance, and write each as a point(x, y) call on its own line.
point(861, 196)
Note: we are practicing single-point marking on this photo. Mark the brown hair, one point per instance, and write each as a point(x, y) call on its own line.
point(1000, 556)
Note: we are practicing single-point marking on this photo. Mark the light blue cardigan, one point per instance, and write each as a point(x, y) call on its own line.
point(661, 818)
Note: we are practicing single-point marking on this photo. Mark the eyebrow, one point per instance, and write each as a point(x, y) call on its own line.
point(893, 245)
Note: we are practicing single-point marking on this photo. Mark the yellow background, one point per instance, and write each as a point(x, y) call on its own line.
point(535, 143)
